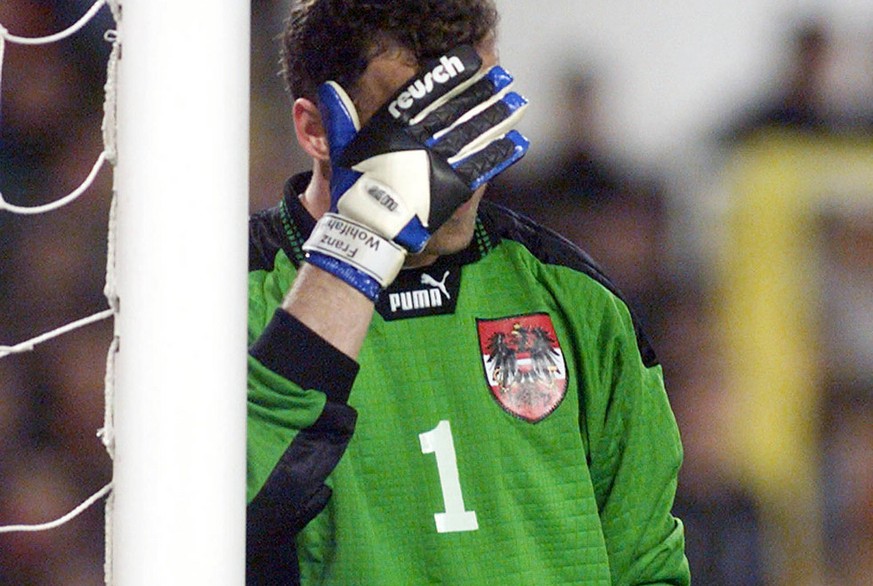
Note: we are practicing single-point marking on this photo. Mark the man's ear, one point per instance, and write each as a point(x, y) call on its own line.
point(310, 131)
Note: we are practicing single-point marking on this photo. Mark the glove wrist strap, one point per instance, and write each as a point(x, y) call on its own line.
point(354, 253)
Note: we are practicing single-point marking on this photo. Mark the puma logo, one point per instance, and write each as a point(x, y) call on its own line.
point(441, 284)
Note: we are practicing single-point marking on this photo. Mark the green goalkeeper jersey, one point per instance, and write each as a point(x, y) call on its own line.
point(505, 423)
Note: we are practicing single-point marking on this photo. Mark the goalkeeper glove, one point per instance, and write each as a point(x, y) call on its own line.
point(395, 181)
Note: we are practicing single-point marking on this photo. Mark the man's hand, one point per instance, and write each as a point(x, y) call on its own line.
point(398, 178)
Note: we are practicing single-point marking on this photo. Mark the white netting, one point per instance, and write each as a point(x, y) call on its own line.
point(107, 155)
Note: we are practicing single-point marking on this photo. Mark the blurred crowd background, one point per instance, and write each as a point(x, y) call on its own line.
point(747, 253)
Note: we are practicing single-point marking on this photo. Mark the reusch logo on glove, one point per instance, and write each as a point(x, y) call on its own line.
point(449, 67)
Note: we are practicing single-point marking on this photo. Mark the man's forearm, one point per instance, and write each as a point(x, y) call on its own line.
point(332, 309)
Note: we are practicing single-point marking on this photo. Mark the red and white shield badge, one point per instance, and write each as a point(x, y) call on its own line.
point(524, 364)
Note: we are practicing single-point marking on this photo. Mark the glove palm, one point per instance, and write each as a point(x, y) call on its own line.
point(446, 132)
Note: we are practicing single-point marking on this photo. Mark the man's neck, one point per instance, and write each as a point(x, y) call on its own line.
point(316, 197)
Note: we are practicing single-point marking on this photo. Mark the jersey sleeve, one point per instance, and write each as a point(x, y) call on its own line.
point(299, 425)
point(635, 454)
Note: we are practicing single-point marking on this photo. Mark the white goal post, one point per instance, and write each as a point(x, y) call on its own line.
point(178, 515)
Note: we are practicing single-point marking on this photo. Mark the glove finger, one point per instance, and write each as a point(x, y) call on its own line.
point(437, 81)
point(483, 165)
point(496, 81)
point(339, 117)
point(472, 134)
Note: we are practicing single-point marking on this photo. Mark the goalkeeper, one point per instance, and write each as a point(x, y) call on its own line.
point(440, 391)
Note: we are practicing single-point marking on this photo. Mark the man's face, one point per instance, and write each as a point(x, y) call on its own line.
point(386, 74)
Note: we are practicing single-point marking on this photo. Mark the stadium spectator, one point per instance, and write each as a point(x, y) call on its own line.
point(724, 539)
point(847, 426)
point(615, 212)
point(806, 98)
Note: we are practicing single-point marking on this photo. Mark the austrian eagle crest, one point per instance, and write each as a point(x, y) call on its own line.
point(524, 364)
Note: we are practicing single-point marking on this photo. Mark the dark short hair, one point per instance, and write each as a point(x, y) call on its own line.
point(335, 39)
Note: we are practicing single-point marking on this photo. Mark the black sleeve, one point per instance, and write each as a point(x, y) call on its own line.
point(295, 491)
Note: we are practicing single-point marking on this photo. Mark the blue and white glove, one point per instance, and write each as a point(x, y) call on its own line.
point(395, 181)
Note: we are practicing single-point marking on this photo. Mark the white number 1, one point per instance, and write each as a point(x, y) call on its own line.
point(439, 441)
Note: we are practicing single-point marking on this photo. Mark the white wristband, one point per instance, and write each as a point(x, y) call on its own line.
point(357, 246)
